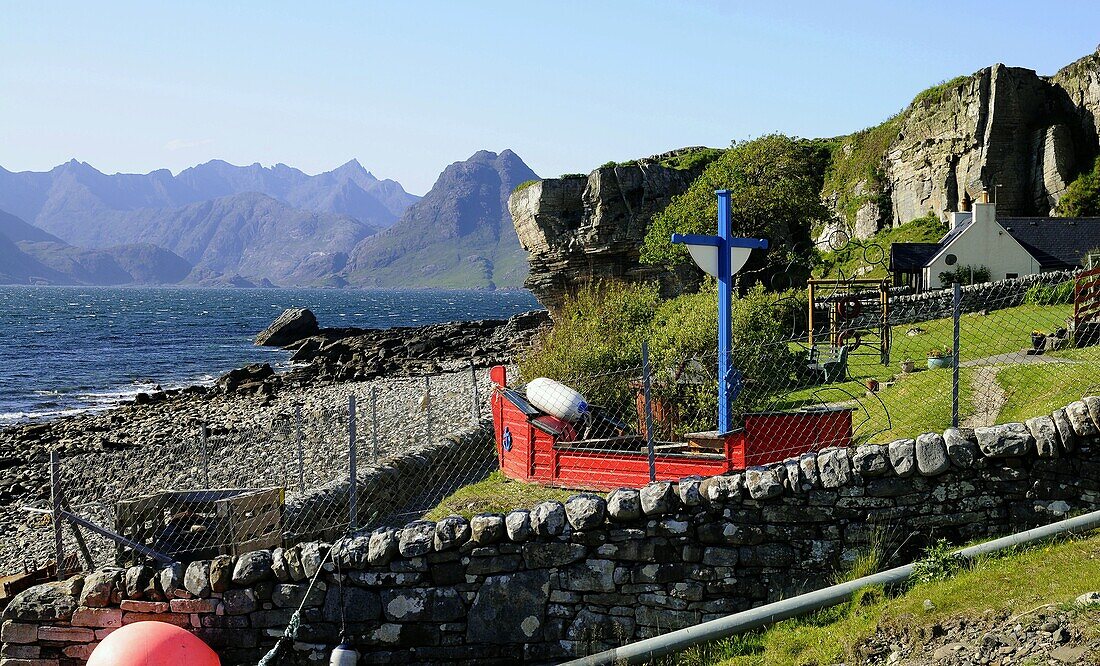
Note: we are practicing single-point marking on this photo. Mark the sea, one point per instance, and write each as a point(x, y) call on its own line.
point(67, 350)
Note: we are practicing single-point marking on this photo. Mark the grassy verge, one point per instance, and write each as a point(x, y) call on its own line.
point(1015, 582)
point(873, 255)
point(496, 494)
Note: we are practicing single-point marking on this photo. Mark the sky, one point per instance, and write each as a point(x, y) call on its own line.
point(409, 87)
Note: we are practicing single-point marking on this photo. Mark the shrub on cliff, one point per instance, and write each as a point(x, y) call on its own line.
point(775, 183)
point(1082, 197)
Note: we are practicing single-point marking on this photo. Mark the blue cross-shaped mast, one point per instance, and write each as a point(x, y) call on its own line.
point(729, 379)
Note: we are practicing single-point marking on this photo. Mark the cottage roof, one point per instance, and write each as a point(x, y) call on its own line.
point(1057, 243)
point(911, 257)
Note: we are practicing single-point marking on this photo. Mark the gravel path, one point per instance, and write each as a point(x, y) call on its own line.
point(252, 442)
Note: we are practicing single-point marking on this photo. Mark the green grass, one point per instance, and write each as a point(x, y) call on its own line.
point(1013, 582)
point(874, 253)
point(496, 494)
point(921, 402)
point(695, 159)
point(935, 94)
point(524, 185)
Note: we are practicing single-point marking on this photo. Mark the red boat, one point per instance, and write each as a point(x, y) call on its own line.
point(539, 448)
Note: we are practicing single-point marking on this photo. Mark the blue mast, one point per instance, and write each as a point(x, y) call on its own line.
point(729, 378)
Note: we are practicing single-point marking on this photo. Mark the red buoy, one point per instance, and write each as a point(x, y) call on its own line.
point(152, 644)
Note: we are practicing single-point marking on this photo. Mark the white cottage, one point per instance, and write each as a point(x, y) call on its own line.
point(1007, 248)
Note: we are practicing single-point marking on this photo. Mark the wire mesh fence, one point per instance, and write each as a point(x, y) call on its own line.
point(865, 365)
point(228, 482)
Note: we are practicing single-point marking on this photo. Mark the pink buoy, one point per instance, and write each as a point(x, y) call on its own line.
point(152, 644)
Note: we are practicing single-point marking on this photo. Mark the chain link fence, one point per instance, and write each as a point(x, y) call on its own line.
point(237, 480)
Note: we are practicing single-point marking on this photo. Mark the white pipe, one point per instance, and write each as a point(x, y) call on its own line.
point(724, 627)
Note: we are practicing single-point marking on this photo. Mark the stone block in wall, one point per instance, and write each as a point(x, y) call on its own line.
point(221, 572)
point(552, 554)
point(689, 492)
point(170, 581)
point(1079, 417)
point(98, 587)
point(658, 497)
point(509, 609)
point(1045, 434)
point(1066, 434)
point(420, 604)
point(238, 602)
point(1005, 441)
point(1093, 404)
point(194, 605)
point(65, 634)
point(762, 483)
point(548, 518)
point(139, 607)
point(588, 576)
point(807, 466)
point(962, 446)
point(487, 528)
point(293, 595)
point(359, 605)
point(382, 547)
point(250, 568)
point(589, 627)
point(100, 618)
point(196, 578)
point(870, 460)
point(624, 504)
point(931, 454)
point(18, 632)
point(517, 525)
point(416, 538)
point(451, 532)
point(833, 467)
point(49, 601)
point(767, 555)
point(586, 511)
point(903, 456)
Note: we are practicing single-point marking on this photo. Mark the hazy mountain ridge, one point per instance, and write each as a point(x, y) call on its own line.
point(29, 255)
point(246, 225)
point(459, 234)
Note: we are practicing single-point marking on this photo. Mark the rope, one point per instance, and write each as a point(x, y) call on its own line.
point(290, 634)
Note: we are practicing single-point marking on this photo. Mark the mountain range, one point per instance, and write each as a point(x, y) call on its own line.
point(217, 223)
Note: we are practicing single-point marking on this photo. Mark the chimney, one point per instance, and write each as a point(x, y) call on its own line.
point(984, 211)
point(964, 206)
point(956, 220)
point(984, 196)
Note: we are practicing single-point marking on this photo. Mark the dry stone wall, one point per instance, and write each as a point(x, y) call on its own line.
point(565, 579)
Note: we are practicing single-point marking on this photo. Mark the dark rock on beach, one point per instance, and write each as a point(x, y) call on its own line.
point(293, 325)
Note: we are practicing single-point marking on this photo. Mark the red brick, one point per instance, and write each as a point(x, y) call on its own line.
point(63, 634)
point(97, 617)
point(18, 632)
point(13, 651)
point(144, 606)
point(28, 662)
point(194, 605)
point(177, 619)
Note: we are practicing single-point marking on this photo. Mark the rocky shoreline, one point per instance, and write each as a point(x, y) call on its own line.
point(152, 442)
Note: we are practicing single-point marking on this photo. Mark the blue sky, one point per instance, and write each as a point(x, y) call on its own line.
point(409, 87)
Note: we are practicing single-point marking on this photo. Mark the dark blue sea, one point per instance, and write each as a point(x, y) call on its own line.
point(64, 350)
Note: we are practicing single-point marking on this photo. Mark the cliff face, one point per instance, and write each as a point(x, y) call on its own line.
point(577, 230)
point(1020, 135)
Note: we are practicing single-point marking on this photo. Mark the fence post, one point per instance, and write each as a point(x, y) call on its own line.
point(648, 411)
point(428, 404)
point(301, 457)
point(477, 400)
point(353, 480)
point(203, 435)
point(55, 497)
point(374, 422)
point(956, 307)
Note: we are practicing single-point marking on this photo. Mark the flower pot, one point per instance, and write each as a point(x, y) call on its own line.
point(939, 362)
point(1037, 340)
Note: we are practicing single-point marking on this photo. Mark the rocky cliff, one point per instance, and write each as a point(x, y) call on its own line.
point(577, 229)
point(1023, 136)
point(1007, 129)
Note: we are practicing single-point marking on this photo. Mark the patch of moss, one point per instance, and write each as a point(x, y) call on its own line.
point(573, 175)
point(934, 95)
point(525, 184)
